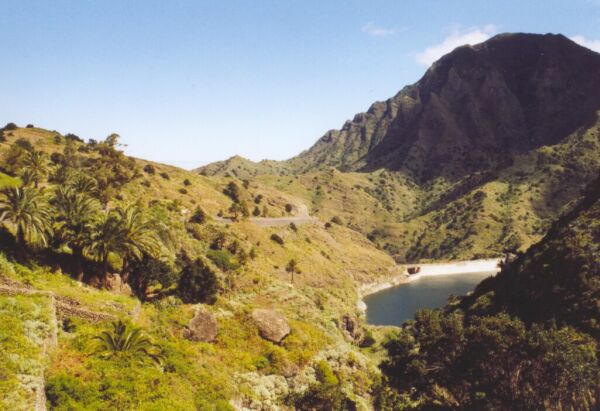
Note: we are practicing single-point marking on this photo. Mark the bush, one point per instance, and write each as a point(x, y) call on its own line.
point(57, 139)
point(288, 208)
point(73, 137)
point(187, 182)
point(256, 212)
point(198, 283)
point(165, 176)
point(29, 126)
point(149, 169)
point(232, 191)
point(10, 127)
point(328, 225)
point(24, 144)
point(183, 190)
point(277, 239)
point(337, 220)
point(199, 216)
point(258, 198)
point(2, 136)
point(223, 259)
point(293, 227)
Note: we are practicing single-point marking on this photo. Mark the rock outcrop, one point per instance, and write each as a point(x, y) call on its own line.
point(203, 327)
point(272, 325)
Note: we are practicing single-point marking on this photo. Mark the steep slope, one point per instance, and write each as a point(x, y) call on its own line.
point(472, 111)
point(537, 319)
point(245, 265)
point(558, 279)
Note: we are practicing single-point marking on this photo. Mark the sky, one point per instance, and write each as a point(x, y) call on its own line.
point(191, 82)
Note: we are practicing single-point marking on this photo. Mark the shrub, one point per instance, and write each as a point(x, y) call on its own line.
point(337, 220)
point(288, 208)
point(199, 216)
point(198, 283)
point(57, 139)
point(183, 190)
point(165, 176)
point(258, 198)
point(293, 227)
point(73, 137)
point(256, 212)
point(328, 225)
point(24, 144)
point(10, 127)
point(187, 182)
point(149, 169)
point(223, 259)
point(232, 191)
point(29, 126)
point(277, 239)
point(2, 136)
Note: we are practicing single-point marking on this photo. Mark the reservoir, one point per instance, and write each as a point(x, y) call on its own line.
point(393, 306)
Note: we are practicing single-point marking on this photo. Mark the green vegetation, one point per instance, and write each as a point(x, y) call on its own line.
point(527, 338)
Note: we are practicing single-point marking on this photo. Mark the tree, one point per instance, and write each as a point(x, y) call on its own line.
point(198, 283)
point(107, 237)
point(150, 271)
point(126, 340)
point(292, 268)
point(199, 216)
point(35, 167)
point(26, 210)
point(139, 237)
point(75, 215)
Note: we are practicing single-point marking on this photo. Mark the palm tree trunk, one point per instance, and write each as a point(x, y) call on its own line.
point(20, 244)
point(105, 270)
point(78, 256)
point(125, 270)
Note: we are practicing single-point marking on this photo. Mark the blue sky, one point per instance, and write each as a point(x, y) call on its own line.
point(189, 82)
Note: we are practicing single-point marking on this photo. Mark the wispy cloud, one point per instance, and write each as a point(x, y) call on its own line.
point(457, 37)
point(589, 43)
point(374, 30)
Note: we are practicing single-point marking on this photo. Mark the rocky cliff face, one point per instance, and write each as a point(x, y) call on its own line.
point(472, 111)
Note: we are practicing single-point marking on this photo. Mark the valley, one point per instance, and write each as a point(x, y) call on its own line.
point(130, 284)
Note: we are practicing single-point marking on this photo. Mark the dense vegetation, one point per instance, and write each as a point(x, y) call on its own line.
point(527, 338)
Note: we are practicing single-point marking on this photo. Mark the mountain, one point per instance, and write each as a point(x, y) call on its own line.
point(473, 110)
point(476, 158)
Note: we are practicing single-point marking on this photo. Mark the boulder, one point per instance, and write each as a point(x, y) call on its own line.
point(272, 326)
point(115, 284)
point(203, 327)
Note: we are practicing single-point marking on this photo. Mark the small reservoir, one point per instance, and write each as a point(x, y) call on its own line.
point(393, 306)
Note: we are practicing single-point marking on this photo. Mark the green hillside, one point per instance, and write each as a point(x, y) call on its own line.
point(525, 339)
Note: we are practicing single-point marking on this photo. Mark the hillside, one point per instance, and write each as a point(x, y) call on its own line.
point(476, 158)
point(77, 213)
point(537, 319)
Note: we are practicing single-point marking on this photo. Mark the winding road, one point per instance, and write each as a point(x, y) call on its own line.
point(302, 217)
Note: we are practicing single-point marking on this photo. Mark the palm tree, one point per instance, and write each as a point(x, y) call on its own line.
point(75, 215)
point(35, 167)
point(83, 183)
point(123, 339)
point(107, 237)
point(140, 237)
point(26, 210)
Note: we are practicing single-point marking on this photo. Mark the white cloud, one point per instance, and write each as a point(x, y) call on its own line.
point(589, 43)
point(457, 37)
point(374, 30)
